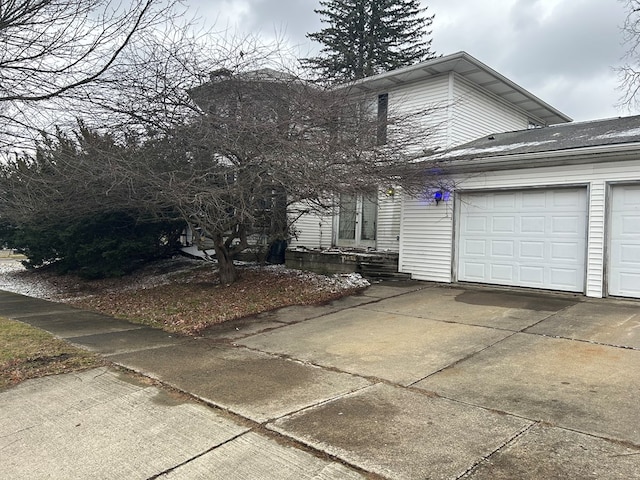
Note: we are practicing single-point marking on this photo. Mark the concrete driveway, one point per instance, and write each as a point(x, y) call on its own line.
point(407, 381)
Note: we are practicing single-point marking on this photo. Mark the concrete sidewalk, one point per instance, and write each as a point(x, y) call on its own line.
point(406, 381)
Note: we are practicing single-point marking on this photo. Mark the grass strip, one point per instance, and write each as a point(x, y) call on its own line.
point(28, 352)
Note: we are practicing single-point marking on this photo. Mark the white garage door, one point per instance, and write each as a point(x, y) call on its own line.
point(624, 242)
point(527, 238)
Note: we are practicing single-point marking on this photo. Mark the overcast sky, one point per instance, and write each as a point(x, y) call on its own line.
point(563, 51)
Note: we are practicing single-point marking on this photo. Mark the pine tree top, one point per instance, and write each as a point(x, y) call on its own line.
point(367, 37)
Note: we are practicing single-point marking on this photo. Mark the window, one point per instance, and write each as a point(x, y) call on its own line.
point(383, 111)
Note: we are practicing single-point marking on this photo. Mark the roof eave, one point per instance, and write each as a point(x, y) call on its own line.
point(572, 156)
point(433, 67)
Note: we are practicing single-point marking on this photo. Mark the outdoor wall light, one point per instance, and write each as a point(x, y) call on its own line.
point(390, 192)
point(440, 195)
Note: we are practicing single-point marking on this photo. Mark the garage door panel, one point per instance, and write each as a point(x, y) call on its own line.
point(503, 201)
point(502, 273)
point(630, 254)
point(630, 196)
point(565, 198)
point(532, 250)
point(474, 271)
point(502, 248)
point(563, 252)
point(532, 276)
point(536, 238)
point(503, 224)
point(562, 278)
point(630, 225)
point(535, 199)
point(475, 247)
point(628, 283)
point(532, 224)
point(570, 224)
point(624, 242)
point(475, 225)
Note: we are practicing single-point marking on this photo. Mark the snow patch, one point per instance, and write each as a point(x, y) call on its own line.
point(633, 132)
point(14, 278)
point(335, 283)
point(495, 148)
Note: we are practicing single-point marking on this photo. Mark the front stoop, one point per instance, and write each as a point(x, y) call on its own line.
point(370, 264)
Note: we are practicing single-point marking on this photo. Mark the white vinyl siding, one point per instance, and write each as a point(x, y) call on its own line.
point(312, 230)
point(427, 232)
point(425, 239)
point(596, 236)
point(389, 207)
point(432, 94)
point(476, 113)
point(624, 241)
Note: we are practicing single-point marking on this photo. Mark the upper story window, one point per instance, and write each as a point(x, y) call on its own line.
point(383, 113)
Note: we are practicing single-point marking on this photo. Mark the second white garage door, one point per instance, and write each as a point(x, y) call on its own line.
point(624, 241)
point(527, 238)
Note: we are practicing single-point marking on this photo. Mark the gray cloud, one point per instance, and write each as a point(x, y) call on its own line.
point(561, 50)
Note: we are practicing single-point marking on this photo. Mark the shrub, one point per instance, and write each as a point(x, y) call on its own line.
point(104, 245)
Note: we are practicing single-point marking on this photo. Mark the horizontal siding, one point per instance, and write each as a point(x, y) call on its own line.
point(429, 98)
point(426, 250)
point(476, 114)
point(388, 224)
point(426, 232)
point(596, 239)
point(311, 230)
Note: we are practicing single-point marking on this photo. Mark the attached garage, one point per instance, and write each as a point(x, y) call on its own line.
point(624, 241)
point(526, 238)
point(554, 208)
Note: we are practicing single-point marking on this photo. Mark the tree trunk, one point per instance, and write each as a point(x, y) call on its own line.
point(226, 268)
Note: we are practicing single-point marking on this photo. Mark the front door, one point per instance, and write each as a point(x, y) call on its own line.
point(357, 220)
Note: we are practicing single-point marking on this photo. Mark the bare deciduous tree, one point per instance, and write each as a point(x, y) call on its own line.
point(629, 72)
point(266, 140)
point(260, 142)
point(54, 51)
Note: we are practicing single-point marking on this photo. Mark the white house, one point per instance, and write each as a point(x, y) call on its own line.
point(471, 100)
point(546, 204)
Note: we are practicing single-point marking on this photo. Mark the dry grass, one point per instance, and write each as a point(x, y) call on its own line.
point(27, 352)
point(195, 299)
point(185, 296)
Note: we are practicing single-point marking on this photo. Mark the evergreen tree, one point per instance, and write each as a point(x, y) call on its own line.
point(366, 37)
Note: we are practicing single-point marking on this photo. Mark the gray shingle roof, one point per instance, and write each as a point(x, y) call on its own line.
point(553, 138)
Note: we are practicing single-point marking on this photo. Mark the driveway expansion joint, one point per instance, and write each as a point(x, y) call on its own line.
point(505, 444)
point(195, 457)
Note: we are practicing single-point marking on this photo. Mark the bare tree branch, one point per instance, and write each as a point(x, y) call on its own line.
point(54, 51)
point(629, 72)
